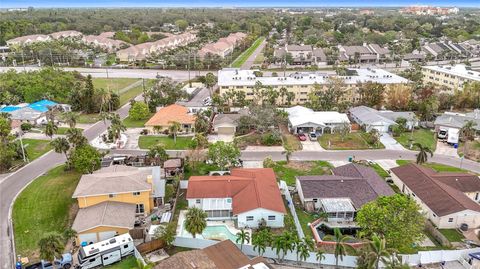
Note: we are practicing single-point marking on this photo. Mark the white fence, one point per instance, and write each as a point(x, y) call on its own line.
point(197, 243)
point(138, 255)
point(437, 256)
point(284, 189)
point(183, 184)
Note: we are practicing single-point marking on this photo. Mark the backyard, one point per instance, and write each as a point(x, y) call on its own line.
point(128, 263)
point(453, 235)
point(88, 118)
point(287, 171)
point(147, 141)
point(200, 169)
point(352, 141)
point(423, 136)
point(246, 54)
point(44, 206)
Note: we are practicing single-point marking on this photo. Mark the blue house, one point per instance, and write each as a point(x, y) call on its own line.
point(42, 105)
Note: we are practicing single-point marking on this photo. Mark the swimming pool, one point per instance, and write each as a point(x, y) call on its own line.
point(218, 232)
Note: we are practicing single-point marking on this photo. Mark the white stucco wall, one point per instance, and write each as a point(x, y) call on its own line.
point(259, 214)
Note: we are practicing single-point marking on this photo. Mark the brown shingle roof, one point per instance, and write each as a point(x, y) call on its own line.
point(165, 116)
point(111, 214)
point(441, 198)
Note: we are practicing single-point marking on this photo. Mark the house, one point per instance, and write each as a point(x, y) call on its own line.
point(104, 43)
point(200, 100)
point(172, 167)
point(110, 199)
point(250, 196)
point(370, 118)
point(28, 115)
point(25, 40)
point(222, 255)
point(165, 116)
point(302, 55)
point(66, 34)
point(454, 120)
point(367, 53)
point(226, 124)
point(305, 120)
point(224, 46)
point(343, 193)
point(448, 199)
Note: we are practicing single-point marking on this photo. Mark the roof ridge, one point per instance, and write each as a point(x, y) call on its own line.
point(104, 212)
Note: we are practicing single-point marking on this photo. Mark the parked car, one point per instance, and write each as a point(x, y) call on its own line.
point(63, 263)
point(312, 136)
point(302, 137)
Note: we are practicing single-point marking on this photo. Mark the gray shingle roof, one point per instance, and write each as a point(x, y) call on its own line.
point(114, 214)
point(458, 120)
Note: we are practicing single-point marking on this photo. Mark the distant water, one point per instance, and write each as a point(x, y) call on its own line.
point(232, 3)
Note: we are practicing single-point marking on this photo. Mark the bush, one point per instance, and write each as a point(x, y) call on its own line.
point(139, 111)
point(271, 139)
point(144, 132)
point(26, 126)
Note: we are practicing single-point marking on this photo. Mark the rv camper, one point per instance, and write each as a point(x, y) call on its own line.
point(106, 252)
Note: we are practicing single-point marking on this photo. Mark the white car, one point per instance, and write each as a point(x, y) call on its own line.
point(312, 136)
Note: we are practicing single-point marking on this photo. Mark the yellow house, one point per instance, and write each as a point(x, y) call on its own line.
point(110, 199)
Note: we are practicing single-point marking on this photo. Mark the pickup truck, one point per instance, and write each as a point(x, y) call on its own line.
point(63, 263)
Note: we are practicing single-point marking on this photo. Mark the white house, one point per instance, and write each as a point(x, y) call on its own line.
point(305, 120)
point(448, 199)
point(251, 196)
point(381, 120)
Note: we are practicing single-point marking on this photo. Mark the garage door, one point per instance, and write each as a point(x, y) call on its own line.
point(107, 235)
point(89, 238)
point(226, 130)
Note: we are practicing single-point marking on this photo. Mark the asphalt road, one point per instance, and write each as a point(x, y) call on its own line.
point(249, 62)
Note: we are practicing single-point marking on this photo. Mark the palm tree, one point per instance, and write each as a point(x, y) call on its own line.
point(467, 133)
point(159, 153)
point(195, 221)
point(284, 243)
point(50, 129)
point(261, 240)
point(75, 137)
point(319, 255)
point(104, 116)
point(288, 152)
point(141, 265)
point(303, 249)
point(242, 237)
point(340, 244)
point(51, 245)
point(378, 250)
point(422, 156)
point(70, 118)
point(174, 128)
point(60, 145)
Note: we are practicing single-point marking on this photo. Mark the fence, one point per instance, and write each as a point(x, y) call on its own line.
point(291, 206)
point(437, 234)
point(138, 256)
point(150, 246)
point(183, 184)
point(437, 256)
point(136, 233)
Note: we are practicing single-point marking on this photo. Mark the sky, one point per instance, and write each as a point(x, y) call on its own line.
point(231, 3)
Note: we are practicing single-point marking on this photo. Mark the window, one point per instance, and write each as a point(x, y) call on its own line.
point(249, 218)
point(315, 200)
point(137, 193)
point(111, 195)
point(105, 258)
point(229, 200)
point(140, 209)
point(450, 219)
point(197, 201)
point(271, 217)
point(91, 260)
point(476, 196)
point(126, 246)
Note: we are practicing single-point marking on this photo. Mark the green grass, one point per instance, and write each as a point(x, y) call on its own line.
point(145, 142)
point(88, 118)
point(352, 141)
point(61, 130)
point(126, 96)
point(114, 84)
point(200, 169)
point(287, 172)
point(452, 235)
point(246, 54)
point(169, 192)
point(305, 218)
point(422, 136)
point(36, 148)
point(129, 123)
point(43, 207)
point(128, 263)
point(435, 166)
point(380, 171)
point(259, 59)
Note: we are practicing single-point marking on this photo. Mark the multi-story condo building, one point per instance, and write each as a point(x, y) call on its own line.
point(450, 77)
point(301, 84)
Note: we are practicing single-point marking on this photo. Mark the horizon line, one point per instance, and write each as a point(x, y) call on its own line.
point(236, 6)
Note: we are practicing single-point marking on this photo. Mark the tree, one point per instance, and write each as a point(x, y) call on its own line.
point(166, 234)
point(343, 129)
point(378, 250)
point(373, 137)
point(60, 145)
point(159, 153)
point(396, 218)
point(69, 233)
point(85, 159)
point(70, 118)
point(50, 129)
point(199, 141)
point(261, 240)
point(328, 98)
point(88, 100)
point(467, 133)
point(51, 245)
point(174, 128)
point(284, 243)
point(303, 249)
point(210, 81)
point(140, 265)
point(242, 238)
point(75, 137)
point(224, 155)
point(181, 24)
point(341, 245)
point(288, 151)
point(138, 111)
point(398, 97)
point(319, 255)
point(201, 123)
point(422, 155)
point(371, 94)
point(195, 221)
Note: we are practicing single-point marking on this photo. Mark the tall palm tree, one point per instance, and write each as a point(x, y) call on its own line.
point(284, 243)
point(261, 240)
point(242, 238)
point(50, 129)
point(51, 245)
point(467, 133)
point(195, 221)
point(70, 118)
point(319, 255)
point(422, 156)
point(174, 128)
point(75, 137)
point(60, 145)
point(340, 244)
point(303, 249)
point(378, 250)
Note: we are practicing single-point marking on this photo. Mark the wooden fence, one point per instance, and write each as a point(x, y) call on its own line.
point(150, 246)
point(137, 233)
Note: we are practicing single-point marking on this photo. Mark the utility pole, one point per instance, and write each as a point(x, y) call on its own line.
point(21, 145)
point(23, 61)
point(188, 66)
point(284, 64)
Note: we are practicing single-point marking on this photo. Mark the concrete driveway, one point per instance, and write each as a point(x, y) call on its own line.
point(311, 146)
point(220, 137)
point(390, 143)
point(445, 149)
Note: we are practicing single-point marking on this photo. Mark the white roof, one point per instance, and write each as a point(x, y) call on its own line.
point(337, 205)
point(457, 70)
point(237, 77)
point(299, 115)
point(107, 244)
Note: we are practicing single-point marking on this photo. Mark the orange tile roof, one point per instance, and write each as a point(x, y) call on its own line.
point(169, 114)
point(249, 189)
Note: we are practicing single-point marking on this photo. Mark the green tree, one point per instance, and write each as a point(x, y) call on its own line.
point(61, 145)
point(341, 245)
point(260, 240)
point(283, 243)
point(423, 151)
point(174, 128)
point(378, 250)
point(467, 133)
point(242, 238)
point(181, 24)
point(288, 151)
point(166, 234)
point(70, 118)
point(140, 265)
point(138, 111)
point(224, 155)
point(319, 255)
point(195, 221)
point(85, 159)
point(396, 218)
point(51, 129)
point(159, 153)
point(75, 137)
point(303, 249)
point(88, 99)
point(50, 246)
point(371, 94)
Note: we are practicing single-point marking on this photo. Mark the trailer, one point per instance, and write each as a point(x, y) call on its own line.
point(453, 135)
point(106, 252)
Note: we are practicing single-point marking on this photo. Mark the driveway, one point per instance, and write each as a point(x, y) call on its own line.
point(220, 137)
point(390, 143)
point(445, 149)
point(311, 146)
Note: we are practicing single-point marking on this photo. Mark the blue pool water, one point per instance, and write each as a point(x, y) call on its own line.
point(218, 232)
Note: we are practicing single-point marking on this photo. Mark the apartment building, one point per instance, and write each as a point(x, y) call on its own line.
point(450, 77)
point(301, 84)
point(224, 46)
point(367, 53)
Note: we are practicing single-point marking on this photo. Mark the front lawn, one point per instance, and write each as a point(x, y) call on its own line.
point(256, 139)
point(290, 140)
point(114, 84)
point(36, 148)
point(287, 171)
point(128, 263)
point(129, 123)
point(61, 130)
point(453, 235)
point(352, 141)
point(435, 166)
point(147, 141)
point(380, 171)
point(246, 54)
point(43, 207)
point(423, 136)
point(130, 94)
point(88, 118)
